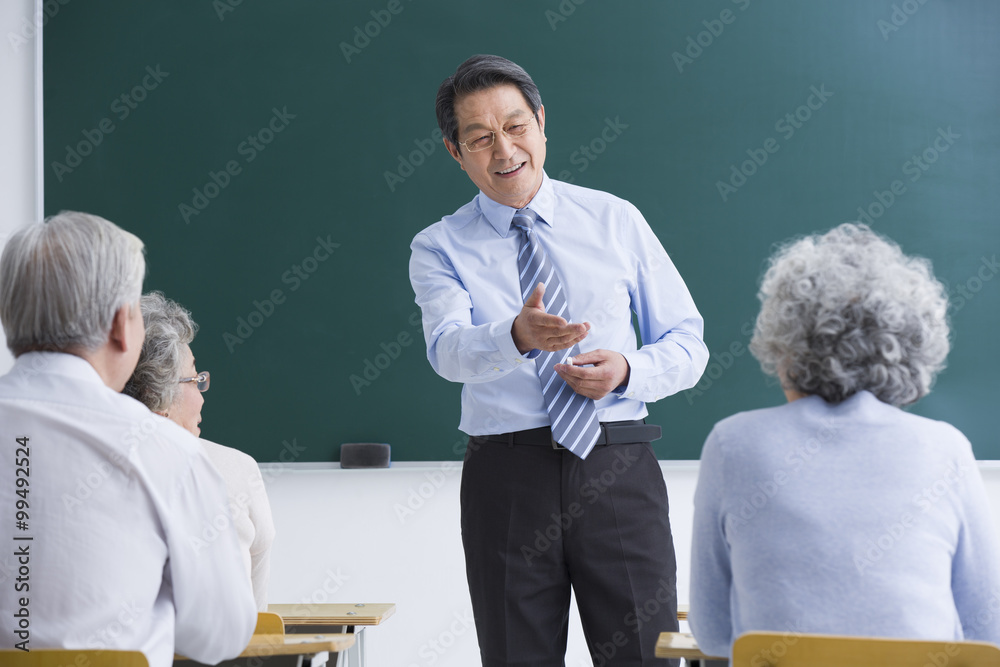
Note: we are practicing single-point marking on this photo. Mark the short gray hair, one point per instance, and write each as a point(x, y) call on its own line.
point(63, 280)
point(847, 311)
point(169, 328)
point(479, 73)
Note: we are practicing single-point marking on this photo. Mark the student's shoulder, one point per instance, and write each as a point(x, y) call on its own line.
point(743, 426)
point(163, 442)
point(228, 458)
point(143, 443)
point(151, 441)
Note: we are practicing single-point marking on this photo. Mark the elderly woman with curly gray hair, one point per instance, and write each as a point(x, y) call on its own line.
point(839, 512)
point(167, 382)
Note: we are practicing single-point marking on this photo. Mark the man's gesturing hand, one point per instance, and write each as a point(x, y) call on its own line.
point(609, 371)
point(534, 329)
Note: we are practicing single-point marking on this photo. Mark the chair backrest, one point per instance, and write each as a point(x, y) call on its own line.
point(51, 657)
point(789, 649)
point(269, 624)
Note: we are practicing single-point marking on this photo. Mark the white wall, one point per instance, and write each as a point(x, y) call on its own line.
point(17, 120)
point(394, 536)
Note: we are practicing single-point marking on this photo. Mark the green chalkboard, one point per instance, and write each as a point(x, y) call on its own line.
point(278, 157)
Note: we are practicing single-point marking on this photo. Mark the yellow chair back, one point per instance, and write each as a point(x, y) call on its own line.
point(269, 624)
point(776, 649)
point(51, 657)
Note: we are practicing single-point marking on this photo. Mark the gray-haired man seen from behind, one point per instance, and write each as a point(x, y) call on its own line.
point(112, 502)
point(560, 485)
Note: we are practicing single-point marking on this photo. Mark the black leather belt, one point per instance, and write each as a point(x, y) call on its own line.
point(612, 433)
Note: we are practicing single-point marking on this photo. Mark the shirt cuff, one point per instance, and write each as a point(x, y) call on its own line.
point(504, 339)
point(627, 390)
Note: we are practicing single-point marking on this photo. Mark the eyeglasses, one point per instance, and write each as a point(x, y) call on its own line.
point(201, 378)
point(486, 141)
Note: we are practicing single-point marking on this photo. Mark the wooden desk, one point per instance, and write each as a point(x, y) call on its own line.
point(681, 645)
point(299, 616)
point(341, 617)
point(284, 650)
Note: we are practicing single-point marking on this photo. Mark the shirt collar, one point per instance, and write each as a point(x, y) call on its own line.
point(500, 216)
point(58, 363)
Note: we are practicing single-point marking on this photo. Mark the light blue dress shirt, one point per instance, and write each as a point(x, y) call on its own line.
point(464, 273)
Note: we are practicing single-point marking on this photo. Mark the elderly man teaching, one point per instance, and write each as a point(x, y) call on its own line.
point(528, 294)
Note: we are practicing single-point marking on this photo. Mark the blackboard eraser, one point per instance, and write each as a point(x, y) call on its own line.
point(364, 455)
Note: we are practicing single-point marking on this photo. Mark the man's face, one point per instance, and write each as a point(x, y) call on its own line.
point(510, 171)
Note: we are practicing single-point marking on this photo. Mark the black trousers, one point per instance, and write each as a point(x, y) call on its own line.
point(536, 521)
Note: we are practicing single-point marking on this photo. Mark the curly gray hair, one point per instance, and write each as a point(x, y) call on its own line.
point(847, 311)
point(168, 328)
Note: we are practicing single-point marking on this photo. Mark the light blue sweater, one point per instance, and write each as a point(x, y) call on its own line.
point(855, 519)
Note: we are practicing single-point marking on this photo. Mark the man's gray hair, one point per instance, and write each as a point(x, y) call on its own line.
point(169, 328)
point(479, 73)
point(63, 280)
point(847, 311)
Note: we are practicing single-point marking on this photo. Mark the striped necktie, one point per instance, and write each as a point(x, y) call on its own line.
point(573, 417)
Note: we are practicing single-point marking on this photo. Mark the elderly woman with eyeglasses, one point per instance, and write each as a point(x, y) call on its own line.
point(838, 512)
point(168, 383)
